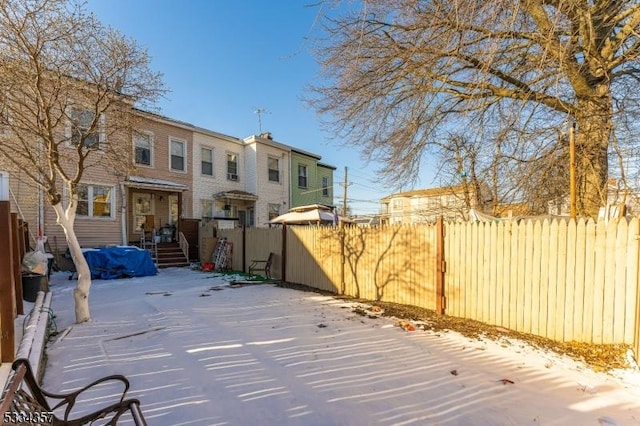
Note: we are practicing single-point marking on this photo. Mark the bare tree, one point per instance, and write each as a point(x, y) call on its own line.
point(402, 73)
point(460, 158)
point(68, 85)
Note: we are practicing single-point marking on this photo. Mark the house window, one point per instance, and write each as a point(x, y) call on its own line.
point(274, 169)
point(207, 161)
point(228, 210)
point(83, 128)
point(325, 186)
point(95, 201)
point(232, 167)
point(274, 211)
point(207, 208)
point(302, 176)
point(143, 207)
point(142, 144)
point(178, 155)
point(397, 203)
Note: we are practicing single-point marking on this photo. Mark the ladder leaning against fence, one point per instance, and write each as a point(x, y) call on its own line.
point(221, 257)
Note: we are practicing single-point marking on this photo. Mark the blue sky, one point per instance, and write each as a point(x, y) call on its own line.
point(224, 60)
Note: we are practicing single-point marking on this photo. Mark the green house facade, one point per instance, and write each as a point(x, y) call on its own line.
point(311, 180)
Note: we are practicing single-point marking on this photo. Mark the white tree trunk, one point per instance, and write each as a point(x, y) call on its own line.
point(81, 292)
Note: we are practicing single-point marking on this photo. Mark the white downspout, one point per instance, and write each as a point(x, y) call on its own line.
point(123, 214)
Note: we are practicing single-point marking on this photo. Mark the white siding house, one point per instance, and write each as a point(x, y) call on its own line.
point(270, 163)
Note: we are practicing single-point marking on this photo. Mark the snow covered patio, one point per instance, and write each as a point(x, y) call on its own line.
point(201, 352)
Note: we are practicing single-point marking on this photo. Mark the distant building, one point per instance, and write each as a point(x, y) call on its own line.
point(425, 205)
point(512, 210)
point(367, 219)
point(617, 195)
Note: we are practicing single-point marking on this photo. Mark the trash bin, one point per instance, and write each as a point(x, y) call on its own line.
point(32, 284)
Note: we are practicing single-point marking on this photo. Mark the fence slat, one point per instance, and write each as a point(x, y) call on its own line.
point(528, 277)
point(620, 282)
point(506, 274)
point(535, 277)
point(632, 296)
point(545, 256)
point(570, 273)
point(493, 274)
point(467, 265)
point(561, 282)
point(599, 279)
point(579, 280)
point(608, 289)
point(553, 280)
point(485, 277)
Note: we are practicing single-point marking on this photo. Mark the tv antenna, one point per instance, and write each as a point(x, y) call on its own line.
point(260, 111)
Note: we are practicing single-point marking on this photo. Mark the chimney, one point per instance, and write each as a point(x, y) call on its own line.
point(266, 135)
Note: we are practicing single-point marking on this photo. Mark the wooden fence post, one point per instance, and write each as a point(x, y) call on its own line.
point(343, 257)
point(440, 267)
point(7, 287)
point(24, 241)
point(244, 248)
point(17, 256)
point(636, 339)
point(283, 254)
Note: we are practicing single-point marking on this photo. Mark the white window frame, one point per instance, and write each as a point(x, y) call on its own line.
point(207, 204)
point(234, 177)
point(90, 201)
point(173, 140)
point(150, 135)
point(69, 131)
point(276, 170)
point(325, 186)
point(210, 149)
point(305, 175)
point(231, 212)
point(273, 210)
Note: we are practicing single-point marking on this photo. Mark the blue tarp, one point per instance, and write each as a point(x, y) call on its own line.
point(119, 262)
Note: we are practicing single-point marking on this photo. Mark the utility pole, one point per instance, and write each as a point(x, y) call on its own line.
point(344, 195)
point(572, 170)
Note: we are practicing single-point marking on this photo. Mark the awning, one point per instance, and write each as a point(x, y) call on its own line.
point(319, 216)
point(157, 184)
point(235, 195)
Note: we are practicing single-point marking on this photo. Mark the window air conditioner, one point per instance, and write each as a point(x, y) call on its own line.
point(232, 176)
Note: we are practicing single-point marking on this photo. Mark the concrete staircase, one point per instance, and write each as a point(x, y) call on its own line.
point(170, 255)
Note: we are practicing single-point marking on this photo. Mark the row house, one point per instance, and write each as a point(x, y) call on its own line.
point(312, 180)
point(180, 176)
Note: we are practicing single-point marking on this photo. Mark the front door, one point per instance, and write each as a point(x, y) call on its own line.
point(143, 213)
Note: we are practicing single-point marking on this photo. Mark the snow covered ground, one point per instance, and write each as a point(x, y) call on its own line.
point(201, 352)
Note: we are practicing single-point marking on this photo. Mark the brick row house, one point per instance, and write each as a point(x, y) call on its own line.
point(181, 176)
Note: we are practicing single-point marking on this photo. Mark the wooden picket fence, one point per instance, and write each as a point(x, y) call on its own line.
point(564, 280)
